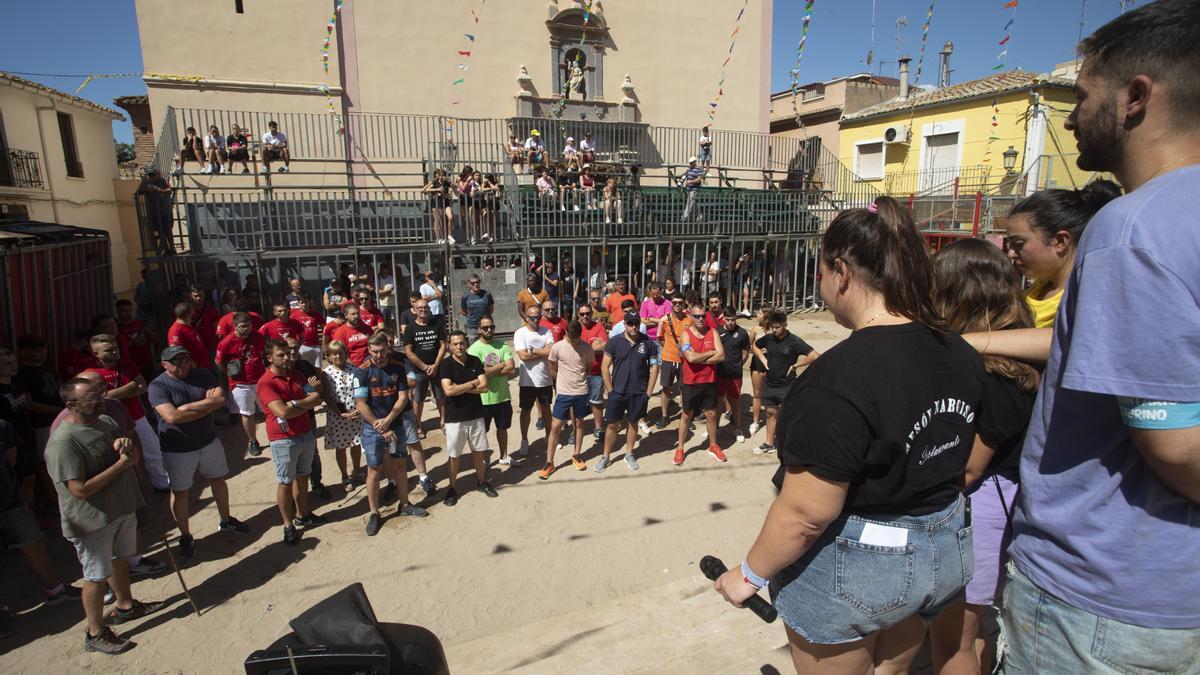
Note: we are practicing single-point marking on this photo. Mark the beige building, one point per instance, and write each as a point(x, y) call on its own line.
point(58, 164)
point(402, 57)
point(821, 104)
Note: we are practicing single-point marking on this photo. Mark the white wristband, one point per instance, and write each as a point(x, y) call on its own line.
point(749, 575)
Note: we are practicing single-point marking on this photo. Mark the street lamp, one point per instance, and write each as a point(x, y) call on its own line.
point(1010, 159)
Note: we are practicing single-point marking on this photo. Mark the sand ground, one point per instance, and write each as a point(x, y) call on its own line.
point(584, 572)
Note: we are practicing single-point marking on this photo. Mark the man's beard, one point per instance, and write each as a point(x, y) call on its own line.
point(1101, 139)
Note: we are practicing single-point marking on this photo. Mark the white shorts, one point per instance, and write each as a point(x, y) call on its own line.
point(245, 397)
point(181, 466)
point(460, 434)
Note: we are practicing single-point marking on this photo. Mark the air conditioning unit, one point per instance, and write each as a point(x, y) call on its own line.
point(896, 134)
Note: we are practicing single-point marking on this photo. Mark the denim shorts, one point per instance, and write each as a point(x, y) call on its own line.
point(565, 403)
point(293, 457)
point(375, 447)
point(867, 574)
point(595, 390)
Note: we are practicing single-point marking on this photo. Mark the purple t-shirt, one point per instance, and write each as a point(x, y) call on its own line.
point(1094, 525)
point(651, 310)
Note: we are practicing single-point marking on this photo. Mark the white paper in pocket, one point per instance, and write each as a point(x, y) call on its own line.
point(882, 535)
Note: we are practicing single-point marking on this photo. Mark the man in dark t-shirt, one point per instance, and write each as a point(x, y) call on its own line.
point(476, 303)
point(185, 398)
point(463, 380)
point(783, 354)
point(736, 341)
point(425, 347)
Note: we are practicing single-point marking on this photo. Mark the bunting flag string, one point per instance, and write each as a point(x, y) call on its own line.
point(457, 86)
point(912, 97)
point(992, 131)
point(159, 76)
point(712, 106)
point(337, 10)
point(808, 8)
point(1002, 57)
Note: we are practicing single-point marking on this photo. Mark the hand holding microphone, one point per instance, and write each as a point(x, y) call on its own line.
point(734, 588)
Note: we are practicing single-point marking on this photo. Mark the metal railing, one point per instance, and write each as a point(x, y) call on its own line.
point(939, 181)
point(20, 169)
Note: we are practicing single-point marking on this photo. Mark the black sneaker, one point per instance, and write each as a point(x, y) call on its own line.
point(391, 492)
point(291, 536)
point(488, 490)
point(320, 490)
point(254, 449)
point(598, 434)
point(451, 497)
point(107, 642)
point(311, 520)
point(187, 546)
point(147, 567)
point(234, 525)
point(410, 510)
point(662, 424)
point(139, 609)
point(373, 524)
point(67, 593)
point(8, 624)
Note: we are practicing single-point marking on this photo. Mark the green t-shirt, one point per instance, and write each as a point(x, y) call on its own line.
point(80, 452)
point(493, 355)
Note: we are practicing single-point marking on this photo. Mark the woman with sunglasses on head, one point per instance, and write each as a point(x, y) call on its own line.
point(868, 538)
point(978, 289)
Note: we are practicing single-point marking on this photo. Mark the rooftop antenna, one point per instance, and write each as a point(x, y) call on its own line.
point(1125, 3)
point(1082, 14)
point(871, 51)
point(901, 22)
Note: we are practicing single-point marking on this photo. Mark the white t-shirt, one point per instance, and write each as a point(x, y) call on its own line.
point(705, 140)
point(435, 304)
point(569, 149)
point(386, 283)
point(711, 267)
point(683, 272)
point(533, 373)
point(275, 139)
point(214, 142)
point(585, 146)
point(532, 143)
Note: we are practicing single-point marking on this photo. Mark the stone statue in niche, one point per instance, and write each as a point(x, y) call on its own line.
point(574, 66)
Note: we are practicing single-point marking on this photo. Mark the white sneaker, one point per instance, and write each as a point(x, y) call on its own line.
point(643, 428)
point(620, 221)
point(505, 461)
point(205, 169)
point(223, 170)
point(562, 208)
point(754, 427)
point(764, 449)
point(741, 438)
point(576, 207)
point(265, 169)
point(523, 450)
point(450, 240)
point(727, 416)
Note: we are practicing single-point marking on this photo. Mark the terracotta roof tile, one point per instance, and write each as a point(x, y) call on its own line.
point(1000, 83)
point(21, 82)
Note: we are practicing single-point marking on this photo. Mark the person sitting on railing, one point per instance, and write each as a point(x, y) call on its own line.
point(612, 199)
point(535, 152)
point(490, 188)
point(516, 154)
point(571, 153)
point(587, 187)
point(587, 149)
point(691, 182)
point(275, 146)
point(568, 186)
point(238, 148)
point(214, 151)
point(193, 148)
point(438, 192)
point(546, 189)
point(705, 148)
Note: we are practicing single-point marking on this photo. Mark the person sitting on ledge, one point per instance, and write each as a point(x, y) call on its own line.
point(214, 151)
point(238, 148)
point(275, 146)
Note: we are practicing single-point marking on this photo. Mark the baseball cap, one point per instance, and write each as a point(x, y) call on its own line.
point(173, 352)
point(632, 317)
point(535, 132)
point(570, 138)
point(692, 159)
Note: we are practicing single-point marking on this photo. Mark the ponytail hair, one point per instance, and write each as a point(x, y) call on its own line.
point(1053, 211)
point(976, 290)
point(882, 244)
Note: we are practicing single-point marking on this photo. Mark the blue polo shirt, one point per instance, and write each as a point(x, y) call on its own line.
point(381, 387)
point(631, 363)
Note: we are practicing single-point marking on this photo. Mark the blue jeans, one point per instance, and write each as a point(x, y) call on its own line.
point(1046, 635)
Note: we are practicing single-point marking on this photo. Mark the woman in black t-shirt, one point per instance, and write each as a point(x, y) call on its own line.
point(979, 290)
point(868, 540)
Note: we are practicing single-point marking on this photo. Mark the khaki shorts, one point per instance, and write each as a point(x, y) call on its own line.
point(460, 434)
point(96, 550)
point(181, 466)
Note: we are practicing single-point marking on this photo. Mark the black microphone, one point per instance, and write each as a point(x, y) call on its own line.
point(713, 568)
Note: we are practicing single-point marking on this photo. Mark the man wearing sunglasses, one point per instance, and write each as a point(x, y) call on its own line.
point(551, 321)
point(595, 337)
point(532, 343)
point(499, 365)
point(476, 303)
point(629, 368)
point(701, 352)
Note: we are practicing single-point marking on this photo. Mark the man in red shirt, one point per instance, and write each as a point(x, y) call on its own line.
point(596, 336)
point(77, 357)
point(368, 312)
point(138, 337)
point(613, 302)
point(354, 334)
point(240, 359)
point(714, 318)
point(311, 321)
point(282, 326)
point(551, 321)
point(225, 325)
point(284, 394)
point(204, 319)
point(701, 352)
point(126, 385)
point(183, 334)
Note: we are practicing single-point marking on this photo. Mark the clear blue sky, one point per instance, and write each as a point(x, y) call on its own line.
point(78, 37)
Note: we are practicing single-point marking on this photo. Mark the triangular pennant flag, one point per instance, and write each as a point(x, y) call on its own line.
point(464, 53)
point(720, 92)
point(469, 37)
point(1009, 5)
point(998, 66)
point(713, 104)
point(1005, 40)
point(455, 102)
point(462, 66)
point(476, 16)
point(735, 32)
point(1008, 25)
point(459, 81)
point(1002, 54)
point(726, 61)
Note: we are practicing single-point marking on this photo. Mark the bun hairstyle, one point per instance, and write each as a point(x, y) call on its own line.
point(1052, 211)
point(882, 244)
point(977, 289)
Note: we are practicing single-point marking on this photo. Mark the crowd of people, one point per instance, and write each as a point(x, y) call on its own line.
point(217, 154)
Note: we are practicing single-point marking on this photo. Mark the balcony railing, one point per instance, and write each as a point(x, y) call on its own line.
point(20, 169)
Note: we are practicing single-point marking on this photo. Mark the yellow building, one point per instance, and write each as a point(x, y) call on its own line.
point(930, 142)
point(58, 164)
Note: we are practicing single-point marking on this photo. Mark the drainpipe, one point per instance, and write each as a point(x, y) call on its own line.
point(46, 158)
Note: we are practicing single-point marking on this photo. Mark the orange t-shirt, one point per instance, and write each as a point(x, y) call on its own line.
point(613, 304)
point(670, 338)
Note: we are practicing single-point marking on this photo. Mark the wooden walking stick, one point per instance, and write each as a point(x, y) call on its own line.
point(178, 574)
